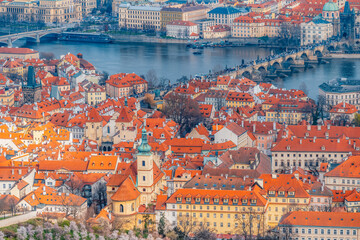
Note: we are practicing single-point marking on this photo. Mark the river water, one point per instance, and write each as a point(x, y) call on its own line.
point(175, 60)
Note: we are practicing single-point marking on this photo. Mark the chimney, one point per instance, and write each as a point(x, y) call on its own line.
point(12, 171)
point(314, 138)
point(328, 126)
point(254, 128)
point(296, 175)
point(20, 171)
point(273, 176)
point(308, 127)
point(319, 127)
point(300, 141)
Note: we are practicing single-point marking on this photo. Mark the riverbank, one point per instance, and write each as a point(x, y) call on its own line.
point(124, 38)
point(343, 56)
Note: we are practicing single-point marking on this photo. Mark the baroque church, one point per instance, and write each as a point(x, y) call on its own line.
point(136, 185)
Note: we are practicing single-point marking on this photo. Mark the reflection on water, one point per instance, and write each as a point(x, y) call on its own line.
point(349, 68)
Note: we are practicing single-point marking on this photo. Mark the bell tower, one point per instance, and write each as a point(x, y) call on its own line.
point(145, 169)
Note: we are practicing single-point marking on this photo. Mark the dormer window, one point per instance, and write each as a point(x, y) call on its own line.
point(188, 199)
point(244, 201)
point(282, 193)
point(216, 200)
point(271, 192)
point(226, 200)
point(235, 201)
point(253, 201)
point(207, 200)
point(197, 200)
point(292, 193)
point(178, 199)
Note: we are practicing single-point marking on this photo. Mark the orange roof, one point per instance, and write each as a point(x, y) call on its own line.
point(49, 196)
point(316, 145)
point(321, 219)
point(126, 192)
point(343, 108)
point(349, 168)
point(276, 182)
point(17, 50)
point(94, 116)
point(220, 195)
point(102, 162)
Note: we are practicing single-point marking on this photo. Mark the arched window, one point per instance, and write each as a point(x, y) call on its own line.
point(121, 208)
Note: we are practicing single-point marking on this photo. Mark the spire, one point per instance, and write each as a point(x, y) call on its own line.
point(31, 77)
point(144, 148)
point(347, 8)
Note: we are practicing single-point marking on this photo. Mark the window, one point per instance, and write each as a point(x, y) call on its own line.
point(143, 163)
point(121, 208)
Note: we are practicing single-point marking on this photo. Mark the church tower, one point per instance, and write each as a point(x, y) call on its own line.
point(94, 126)
point(145, 170)
point(331, 14)
point(32, 90)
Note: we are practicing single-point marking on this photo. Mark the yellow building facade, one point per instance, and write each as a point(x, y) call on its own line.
point(46, 11)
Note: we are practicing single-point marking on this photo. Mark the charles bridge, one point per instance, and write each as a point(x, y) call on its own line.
point(281, 65)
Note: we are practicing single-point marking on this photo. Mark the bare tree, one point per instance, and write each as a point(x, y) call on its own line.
point(47, 55)
point(187, 225)
point(290, 34)
point(183, 110)
point(120, 222)
point(204, 232)
point(250, 224)
point(152, 79)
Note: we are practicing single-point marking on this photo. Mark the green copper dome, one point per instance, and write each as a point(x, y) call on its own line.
point(330, 7)
point(144, 148)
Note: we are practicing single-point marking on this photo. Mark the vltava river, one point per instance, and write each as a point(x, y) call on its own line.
point(174, 60)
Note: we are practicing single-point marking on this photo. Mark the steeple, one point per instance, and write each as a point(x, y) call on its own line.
point(144, 148)
point(347, 8)
point(31, 77)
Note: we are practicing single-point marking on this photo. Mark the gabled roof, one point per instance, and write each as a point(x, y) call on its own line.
point(321, 219)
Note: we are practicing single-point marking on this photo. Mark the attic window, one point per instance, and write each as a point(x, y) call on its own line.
point(244, 201)
point(207, 200)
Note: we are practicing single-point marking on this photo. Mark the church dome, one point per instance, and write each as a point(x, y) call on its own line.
point(330, 7)
point(144, 148)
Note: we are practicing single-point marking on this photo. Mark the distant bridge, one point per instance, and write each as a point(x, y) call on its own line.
point(282, 63)
point(35, 35)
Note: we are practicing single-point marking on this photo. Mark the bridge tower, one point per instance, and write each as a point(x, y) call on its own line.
point(32, 90)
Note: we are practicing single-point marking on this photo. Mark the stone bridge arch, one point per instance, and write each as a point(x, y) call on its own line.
point(247, 74)
point(318, 53)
